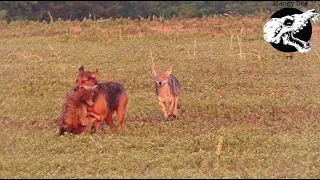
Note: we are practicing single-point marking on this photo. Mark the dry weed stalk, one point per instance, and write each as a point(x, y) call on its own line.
point(141, 18)
point(258, 55)
point(219, 146)
point(239, 43)
point(261, 15)
point(242, 54)
point(317, 54)
point(231, 44)
point(55, 53)
point(152, 62)
point(184, 48)
point(51, 18)
point(240, 49)
point(194, 49)
point(34, 55)
point(225, 31)
point(121, 34)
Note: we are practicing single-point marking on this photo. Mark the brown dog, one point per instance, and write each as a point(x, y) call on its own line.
point(109, 97)
point(74, 117)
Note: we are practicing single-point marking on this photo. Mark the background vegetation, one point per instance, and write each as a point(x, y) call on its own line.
point(78, 10)
point(247, 111)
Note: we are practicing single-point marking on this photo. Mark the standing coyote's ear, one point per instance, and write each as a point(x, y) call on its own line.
point(81, 68)
point(169, 70)
point(154, 72)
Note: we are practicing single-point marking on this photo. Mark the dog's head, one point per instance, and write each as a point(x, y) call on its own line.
point(85, 93)
point(162, 77)
point(86, 78)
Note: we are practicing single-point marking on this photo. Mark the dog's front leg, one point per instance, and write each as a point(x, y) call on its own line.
point(95, 116)
point(163, 109)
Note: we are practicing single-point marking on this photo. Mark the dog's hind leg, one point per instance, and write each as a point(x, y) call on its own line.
point(121, 110)
point(109, 121)
point(61, 131)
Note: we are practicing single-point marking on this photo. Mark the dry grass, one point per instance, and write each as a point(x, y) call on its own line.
point(124, 28)
point(244, 115)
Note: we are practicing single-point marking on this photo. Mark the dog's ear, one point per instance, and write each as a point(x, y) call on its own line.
point(169, 70)
point(93, 75)
point(81, 68)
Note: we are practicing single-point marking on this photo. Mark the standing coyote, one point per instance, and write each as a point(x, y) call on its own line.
point(108, 98)
point(167, 90)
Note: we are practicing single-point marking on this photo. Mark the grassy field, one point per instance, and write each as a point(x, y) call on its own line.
point(253, 114)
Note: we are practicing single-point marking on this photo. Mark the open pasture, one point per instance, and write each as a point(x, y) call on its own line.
point(247, 111)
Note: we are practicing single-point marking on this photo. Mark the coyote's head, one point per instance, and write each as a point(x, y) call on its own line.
point(162, 77)
point(86, 78)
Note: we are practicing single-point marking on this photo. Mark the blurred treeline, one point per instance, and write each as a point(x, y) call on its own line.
point(78, 10)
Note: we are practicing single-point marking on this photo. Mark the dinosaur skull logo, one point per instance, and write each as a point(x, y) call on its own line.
point(289, 30)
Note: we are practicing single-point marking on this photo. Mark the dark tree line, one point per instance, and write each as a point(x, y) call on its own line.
point(77, 10)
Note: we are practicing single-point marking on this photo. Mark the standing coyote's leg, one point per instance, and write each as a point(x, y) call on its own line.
point(171, 111)
point(163, 109)
point(176, 104)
